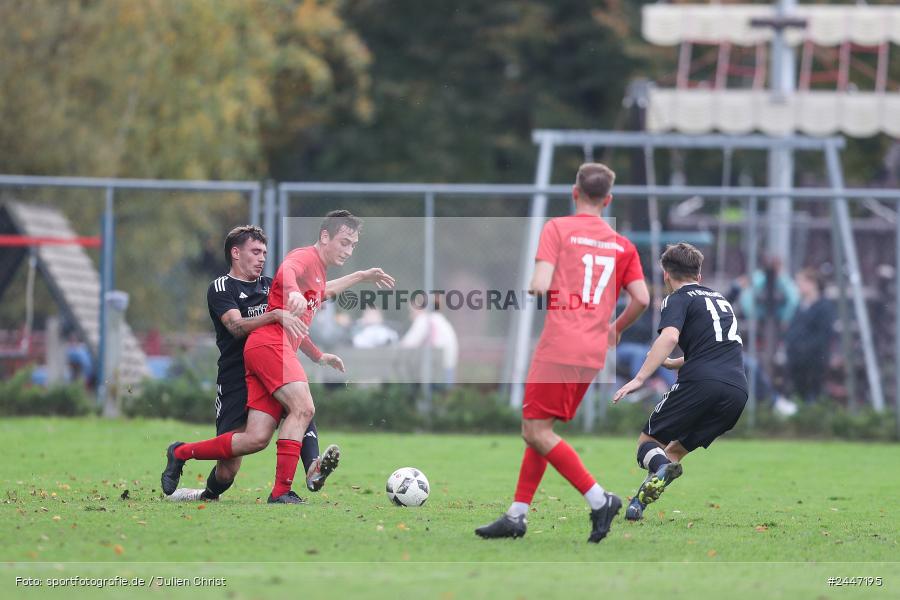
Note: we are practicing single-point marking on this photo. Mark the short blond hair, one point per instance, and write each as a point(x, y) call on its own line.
point(595, 180)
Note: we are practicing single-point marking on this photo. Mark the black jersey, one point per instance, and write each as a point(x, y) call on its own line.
point(249, 297)
point(708, 335)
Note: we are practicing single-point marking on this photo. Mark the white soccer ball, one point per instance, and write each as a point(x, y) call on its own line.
point(407, 487)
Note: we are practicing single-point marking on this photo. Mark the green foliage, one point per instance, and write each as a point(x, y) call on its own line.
point(19, 397)
point(171, 88)
point(188, 396)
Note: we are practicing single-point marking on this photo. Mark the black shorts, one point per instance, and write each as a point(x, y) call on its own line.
point(695, 413)
point(231, 406)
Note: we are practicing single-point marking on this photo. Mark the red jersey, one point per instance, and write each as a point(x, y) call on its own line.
point(302, 271)
point(592, 264)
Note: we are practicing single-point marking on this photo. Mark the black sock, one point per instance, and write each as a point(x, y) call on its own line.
point(214, 487)
point(651, 456)
point(310, 450)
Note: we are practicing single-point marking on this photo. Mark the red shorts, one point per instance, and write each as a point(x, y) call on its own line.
point(554, 391)
point(267, 369)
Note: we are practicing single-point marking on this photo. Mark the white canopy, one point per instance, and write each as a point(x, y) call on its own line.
point(668, 24)
point(857, 114)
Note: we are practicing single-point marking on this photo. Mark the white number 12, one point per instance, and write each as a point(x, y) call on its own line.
point(608, 263)
point(717, 320)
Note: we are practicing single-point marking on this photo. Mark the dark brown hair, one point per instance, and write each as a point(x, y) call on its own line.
point(682, 261)
point(336, 219)
point(595, 180)
point(239, 235)
point(815, 276)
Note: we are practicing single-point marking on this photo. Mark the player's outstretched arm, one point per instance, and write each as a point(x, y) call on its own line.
point(374, 275)
point(659, 352)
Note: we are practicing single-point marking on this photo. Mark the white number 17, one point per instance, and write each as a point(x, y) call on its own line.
point(608, 263)
point(717, 320)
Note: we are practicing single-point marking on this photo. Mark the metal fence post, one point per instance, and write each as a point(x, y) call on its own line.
point(107, 284)
point(836, 176)
point(425, 406)
point(254, 207)
point(526, 314)
point(752, 250)
point(269, 226)
point(897, 333)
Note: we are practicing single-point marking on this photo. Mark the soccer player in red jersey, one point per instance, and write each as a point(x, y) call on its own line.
point(581, 266)
point(277, 386)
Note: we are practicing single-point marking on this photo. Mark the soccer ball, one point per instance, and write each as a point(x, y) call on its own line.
point(407, 487)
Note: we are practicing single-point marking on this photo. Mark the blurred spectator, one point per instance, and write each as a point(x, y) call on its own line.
point(79, 362)
point(433, 329)
point(769, 293)
point(771, 299)
point(372, 332)
point(330, 328)
point(808, 338)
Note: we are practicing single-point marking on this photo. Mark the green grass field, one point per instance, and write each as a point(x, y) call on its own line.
point(750, 517)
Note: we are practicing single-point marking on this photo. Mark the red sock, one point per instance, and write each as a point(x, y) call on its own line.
point(288, 453)
point(565, 460)
point(533, 467)
point(218, 448)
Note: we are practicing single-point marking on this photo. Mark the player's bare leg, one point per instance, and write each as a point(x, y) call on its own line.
point(541, 439)
point(251, 437)
point(297, 401)
point(664, 466)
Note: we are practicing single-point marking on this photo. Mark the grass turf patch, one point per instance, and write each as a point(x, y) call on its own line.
point(761, 503)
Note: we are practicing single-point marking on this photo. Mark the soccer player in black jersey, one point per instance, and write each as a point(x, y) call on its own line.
point(711, 390)
point(237, 305)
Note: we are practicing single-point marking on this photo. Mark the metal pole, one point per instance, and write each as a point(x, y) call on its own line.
point(425, 408)
point(840, 279)
point(526, 314)
point(722, 237)
point(897, 333)
point(781, 160)
point(655, 231)
point(254, 207)
point(752, 248)
point(107, 284)
point(873, 375)
point(284, 230)
point(269, 225)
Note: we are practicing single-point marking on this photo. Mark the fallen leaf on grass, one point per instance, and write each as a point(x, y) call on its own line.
point(201, 506)
point(402, 527)
point(118, 549)
point(761, 528)
point(711, 553)
point(56, 517)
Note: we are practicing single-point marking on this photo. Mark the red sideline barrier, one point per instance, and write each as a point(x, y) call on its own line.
point(19, 241)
